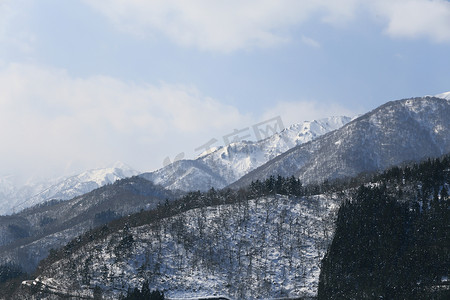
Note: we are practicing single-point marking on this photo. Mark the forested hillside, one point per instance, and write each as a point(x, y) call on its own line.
point(392, 239)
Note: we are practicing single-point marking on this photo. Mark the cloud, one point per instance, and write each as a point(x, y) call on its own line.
point(49, 119)
point(53, 124)
point(415, 18)
point(310, 42)
point(227, 26)
point(222, 26)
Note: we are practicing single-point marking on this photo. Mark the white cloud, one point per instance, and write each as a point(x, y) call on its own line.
point(224, 25)
point(415, 18)
point(49, 119)
point(231, 25)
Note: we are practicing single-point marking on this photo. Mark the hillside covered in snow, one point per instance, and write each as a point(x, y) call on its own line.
point(269, 246)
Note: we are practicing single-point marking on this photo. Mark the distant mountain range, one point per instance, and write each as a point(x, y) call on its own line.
point(227, 164)
point(14, 198)
point(366, 144)
point(398, 131)
point(217, 169)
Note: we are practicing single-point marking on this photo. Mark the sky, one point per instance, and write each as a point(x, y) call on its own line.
point(86, 83)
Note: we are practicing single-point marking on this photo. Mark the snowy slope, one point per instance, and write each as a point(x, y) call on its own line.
point(27, 237)
point(14, 198)
point(398, 131)
point(227, 164)
point(263, 248)
point(443, 95)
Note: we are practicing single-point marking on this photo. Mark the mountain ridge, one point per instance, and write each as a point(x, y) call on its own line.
point(227, 164)
point(445, 95)
point(14, 198)
point(367, 143)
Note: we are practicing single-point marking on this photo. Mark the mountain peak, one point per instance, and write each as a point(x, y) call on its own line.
point(226, 164)
point(445, 95)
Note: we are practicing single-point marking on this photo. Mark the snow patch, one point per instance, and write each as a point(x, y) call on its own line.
point(445, 95)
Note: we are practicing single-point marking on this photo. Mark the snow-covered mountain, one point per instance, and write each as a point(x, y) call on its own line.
point(15, 197)
point(227, 164)
point(398, 131)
